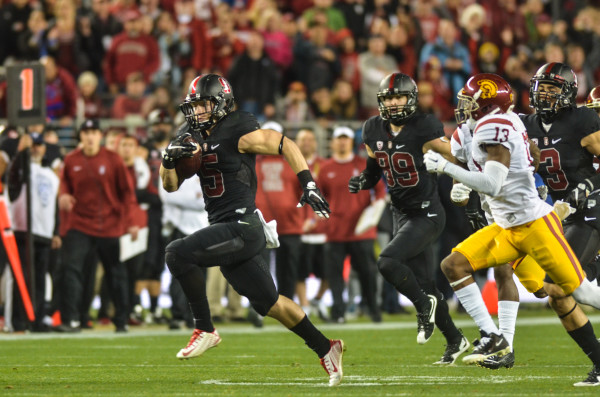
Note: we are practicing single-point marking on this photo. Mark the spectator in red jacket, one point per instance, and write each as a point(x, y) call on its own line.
point(130, 51)
point(61, 93)
point(277, 196)
point(98, 193)
point(346, 209)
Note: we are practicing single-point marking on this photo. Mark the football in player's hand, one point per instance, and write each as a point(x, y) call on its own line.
point(187, 167)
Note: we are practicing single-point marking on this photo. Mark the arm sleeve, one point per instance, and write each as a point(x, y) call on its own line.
point(489, 181)
point(372, 173)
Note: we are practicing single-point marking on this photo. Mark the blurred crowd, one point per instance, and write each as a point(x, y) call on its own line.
point(288, 60)
point(302, 62)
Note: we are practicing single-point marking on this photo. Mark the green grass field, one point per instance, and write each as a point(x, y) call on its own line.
point(382, 359)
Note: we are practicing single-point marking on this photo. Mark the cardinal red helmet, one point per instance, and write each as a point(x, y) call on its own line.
point(593, 99)
point(483, 94)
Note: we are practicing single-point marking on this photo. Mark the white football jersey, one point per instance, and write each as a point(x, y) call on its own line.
point(460, 146)
point(517, 202)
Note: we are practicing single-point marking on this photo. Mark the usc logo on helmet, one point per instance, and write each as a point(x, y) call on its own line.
point(489, 89)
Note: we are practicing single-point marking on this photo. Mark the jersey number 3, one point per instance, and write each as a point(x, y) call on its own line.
point(403, 164)
point(556, 178)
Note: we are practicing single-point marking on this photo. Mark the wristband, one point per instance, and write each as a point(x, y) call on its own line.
point(304, 177)
point(168, 164)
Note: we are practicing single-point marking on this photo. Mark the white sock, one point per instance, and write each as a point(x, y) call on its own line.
point(507, 317)
point(471, 299)
point(588, 294)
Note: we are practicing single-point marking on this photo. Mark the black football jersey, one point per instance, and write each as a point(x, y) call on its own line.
point(227, 176)
point(563, 161)
point(401, 158)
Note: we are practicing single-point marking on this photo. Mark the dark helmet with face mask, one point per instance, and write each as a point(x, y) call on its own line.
point(211, 88)
point(547, 104)
point(397, 84)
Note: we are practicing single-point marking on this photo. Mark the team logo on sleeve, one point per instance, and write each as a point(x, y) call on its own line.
point(535, 140)
point(379, 145)
point(489, 89)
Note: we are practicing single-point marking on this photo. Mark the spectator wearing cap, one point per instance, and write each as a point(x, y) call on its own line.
point(130, 51)
point(277, 195)
point(44, 226)
point(346, 209)
point(99, 195)
point(453, 55)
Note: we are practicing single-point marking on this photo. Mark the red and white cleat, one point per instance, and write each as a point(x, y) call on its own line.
point(200, 342)
point(332, 362)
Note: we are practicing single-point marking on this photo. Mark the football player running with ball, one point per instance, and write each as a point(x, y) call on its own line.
point(236, 236)
point(395, 142)
point(524, 223)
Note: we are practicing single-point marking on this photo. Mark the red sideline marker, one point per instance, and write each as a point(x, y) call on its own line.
point(10, 244)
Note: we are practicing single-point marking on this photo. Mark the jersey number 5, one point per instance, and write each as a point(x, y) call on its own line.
point(215, 186)
point(403, 164)
point(556, 178)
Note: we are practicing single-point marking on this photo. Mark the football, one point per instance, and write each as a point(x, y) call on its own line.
point(187, 167)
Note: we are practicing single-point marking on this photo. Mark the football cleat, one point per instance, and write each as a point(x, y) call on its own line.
point(200, 342)
point(426, 321)
point(593, 378)
point(495, 362)
point(453, 351)
point(332, 361)
point(492, 345)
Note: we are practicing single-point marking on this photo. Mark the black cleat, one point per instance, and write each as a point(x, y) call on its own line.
point(453, 351)
point(426, 321)
point(593, 378)
point(487, 346)
point(495, 362)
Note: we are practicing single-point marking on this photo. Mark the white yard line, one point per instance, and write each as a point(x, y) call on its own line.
point(237, 330)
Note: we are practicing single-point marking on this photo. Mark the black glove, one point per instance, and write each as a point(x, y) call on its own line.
point(177, 149)
point(312, 195)
point(578, 195)
point(357, 183)
point(476, 219)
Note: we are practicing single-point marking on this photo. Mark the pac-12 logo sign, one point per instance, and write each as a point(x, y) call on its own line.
point(226, 87)
point(379, 145)
point(489, 89)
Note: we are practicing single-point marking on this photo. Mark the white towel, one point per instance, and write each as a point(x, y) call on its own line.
point(270, 230)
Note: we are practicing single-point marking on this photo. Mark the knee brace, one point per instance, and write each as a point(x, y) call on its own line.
point(176, 263)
